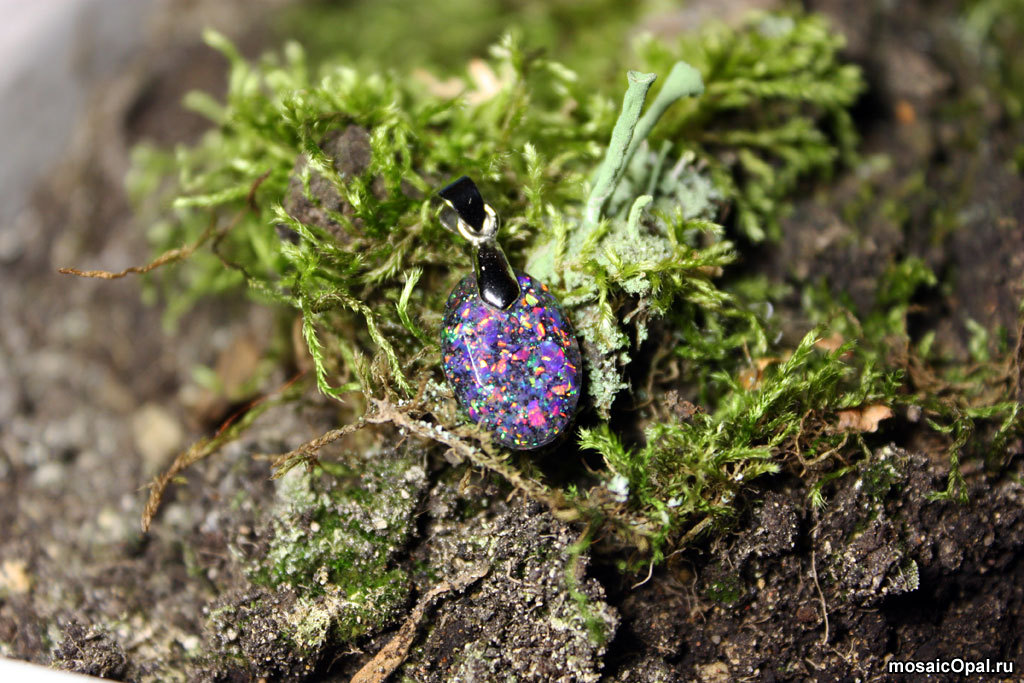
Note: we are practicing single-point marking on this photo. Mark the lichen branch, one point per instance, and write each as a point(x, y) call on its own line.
point(622, 136)
point(683, 81)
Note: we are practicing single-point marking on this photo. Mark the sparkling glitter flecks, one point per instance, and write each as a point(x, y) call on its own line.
point(517, 372)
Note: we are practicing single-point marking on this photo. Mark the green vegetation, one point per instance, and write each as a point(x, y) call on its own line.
point(313, 189)
point(777, 106)
point(336, 541)
point(726, 590)
point(386, 34)
point(693, 467)
point(992, 30)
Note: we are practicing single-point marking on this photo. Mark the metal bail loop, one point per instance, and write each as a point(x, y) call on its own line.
point(466, 214)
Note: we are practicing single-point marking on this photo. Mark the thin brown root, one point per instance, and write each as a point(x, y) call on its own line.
point(691, 535)
point(386, 412)
point(391, 656)
point(461, 446)
point(650, 573)
point(250, 198)
point(486, 457)
point(306, 453)
point(178, 253)
point(230, 430)
point(814, 575)
point(196, 452)
point(170, 256)
point(695, 531)
point(1018, 363)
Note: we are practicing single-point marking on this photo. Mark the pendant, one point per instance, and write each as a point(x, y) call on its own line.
point(508, 349)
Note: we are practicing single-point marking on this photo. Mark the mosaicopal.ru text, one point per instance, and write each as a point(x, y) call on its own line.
point(950, 666)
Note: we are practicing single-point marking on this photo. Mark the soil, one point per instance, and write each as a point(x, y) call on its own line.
point(96, 397)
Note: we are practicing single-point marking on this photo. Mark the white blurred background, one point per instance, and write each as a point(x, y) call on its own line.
point(52, 53)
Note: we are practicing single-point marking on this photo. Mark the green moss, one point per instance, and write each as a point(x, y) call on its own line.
point(594, 623)
point(972, 401)
point(278, 111)
point(334, 539)
point(993, 30)
point(615, 213)
point(396, 34)
point(695, 467)
point(726, 590)
point(879, 474)
point(327, 527)
point(777, 95)
point(342, 616)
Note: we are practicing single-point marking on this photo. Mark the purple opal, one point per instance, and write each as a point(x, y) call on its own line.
point(515, 371)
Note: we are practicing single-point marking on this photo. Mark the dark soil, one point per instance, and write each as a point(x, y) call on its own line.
point(94, 393)
point(896, 576)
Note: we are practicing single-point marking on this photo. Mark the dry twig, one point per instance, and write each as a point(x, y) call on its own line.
point(229, 431)
point(178, 253)
point(391, 656)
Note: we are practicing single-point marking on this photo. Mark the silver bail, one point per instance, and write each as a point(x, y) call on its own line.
point(466, 214)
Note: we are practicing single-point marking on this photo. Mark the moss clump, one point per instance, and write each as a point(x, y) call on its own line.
point(878, 477)
point(386, 239)
point(318, 190)
point(333, 537)
point(725, 590)
point(695, 466)
point(778, 96)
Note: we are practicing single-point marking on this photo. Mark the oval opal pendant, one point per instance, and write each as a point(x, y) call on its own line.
point(508, 349)
point(515, 371)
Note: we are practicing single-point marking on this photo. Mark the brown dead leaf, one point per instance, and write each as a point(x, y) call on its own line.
point(446, 89)
point(486, 83)
point(830, 343)
point(483, 83)
point(863, 419)
point(750, 376)
point(237, 364)
point(905, 112)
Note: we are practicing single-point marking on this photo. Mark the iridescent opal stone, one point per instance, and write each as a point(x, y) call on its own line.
point(516, 371)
